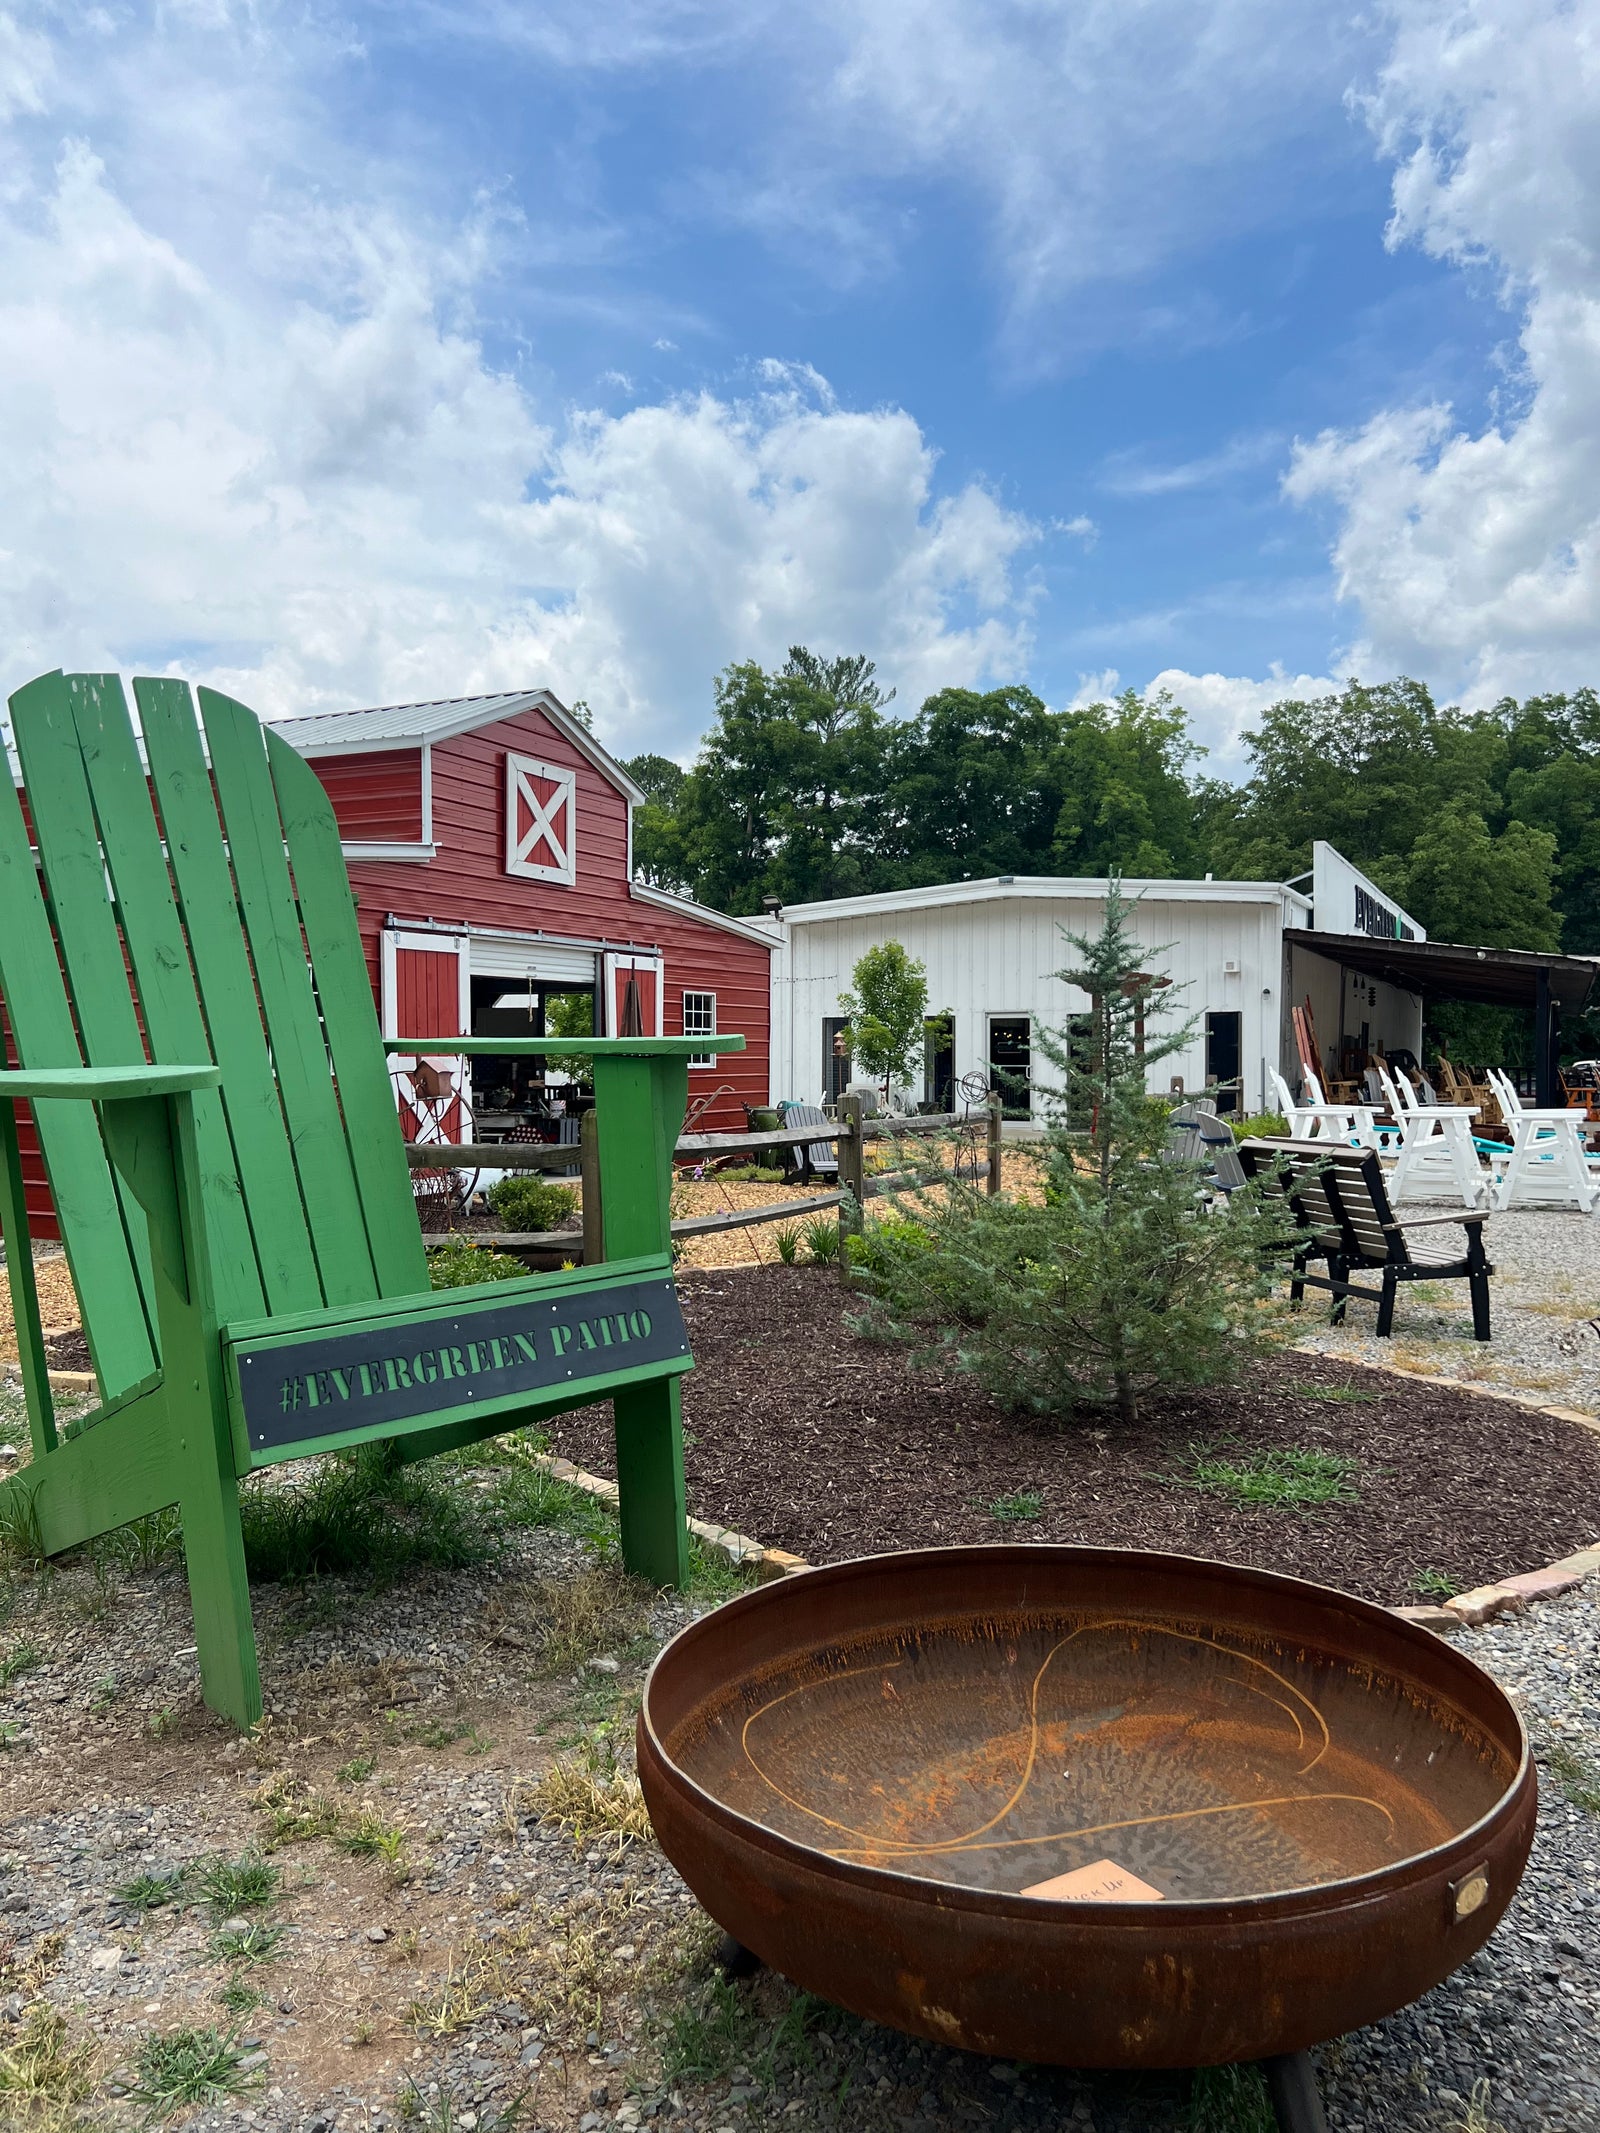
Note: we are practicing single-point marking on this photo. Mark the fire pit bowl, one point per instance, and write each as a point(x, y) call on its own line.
point(1087, 1806)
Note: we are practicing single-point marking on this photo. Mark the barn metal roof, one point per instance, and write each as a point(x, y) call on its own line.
point(418, 725)
point(1024, 888)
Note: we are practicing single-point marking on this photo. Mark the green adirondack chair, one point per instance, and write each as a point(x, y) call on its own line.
point(196, 1035)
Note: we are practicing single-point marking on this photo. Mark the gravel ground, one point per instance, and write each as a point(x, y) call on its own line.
point(1546, 1305)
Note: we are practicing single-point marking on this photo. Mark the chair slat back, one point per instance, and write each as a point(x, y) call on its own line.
point(1338, 1195)
point(151, 928)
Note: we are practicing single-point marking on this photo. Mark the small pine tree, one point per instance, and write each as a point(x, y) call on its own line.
point(1118, 1278)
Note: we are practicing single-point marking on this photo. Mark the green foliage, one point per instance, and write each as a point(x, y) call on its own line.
point(189, 2066)
point(1121, 1279)
point(787, 1239)
point(1433, 1585)
point(1574, 1773)
point(750, 1174)
point(873, 1249)
point(529, 1203)
point(359, 1515)
point(1019, 1508)
point(885, 1010)
point(461, 1264)
point(1230, 2099)
point(569, 1014)
point(148, 1892)
point(21, 1539)
point(1284, 1475)
point(1261, 1126)
point(821, 1239)
point(21, 1659)
point(245, 1884)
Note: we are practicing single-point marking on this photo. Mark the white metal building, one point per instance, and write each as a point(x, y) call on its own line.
point(992, 950)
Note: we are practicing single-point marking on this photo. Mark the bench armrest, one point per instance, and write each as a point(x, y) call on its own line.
point(1467, 1215)
point(101, 1085)
point(597, 1047)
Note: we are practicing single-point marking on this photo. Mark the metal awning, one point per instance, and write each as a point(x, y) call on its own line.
point(1449, 970)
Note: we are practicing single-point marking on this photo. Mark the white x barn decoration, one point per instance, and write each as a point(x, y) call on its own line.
point(541, 820)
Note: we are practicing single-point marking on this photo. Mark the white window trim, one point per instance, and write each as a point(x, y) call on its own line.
point(518, 768)
point(694, 992)
point(624, 960)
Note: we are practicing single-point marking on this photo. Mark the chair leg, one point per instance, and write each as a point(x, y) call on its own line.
point(1478, 1283)
point(1292, 2086)
point(219, 1592)
point(651, 1506)
point(1386, 1308)
point(1338, 1271)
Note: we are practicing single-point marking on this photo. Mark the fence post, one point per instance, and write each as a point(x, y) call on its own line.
point(996, 1112)
point(594, 1238)
point(852, 1173)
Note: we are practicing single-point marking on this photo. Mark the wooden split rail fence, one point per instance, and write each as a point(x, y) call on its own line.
point(850, 1132)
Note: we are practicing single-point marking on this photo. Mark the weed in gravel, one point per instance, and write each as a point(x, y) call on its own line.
point(255, 1943)
point(97, 1600)
point(106, 1690)
point(583, 1616)
point(438, 1733)
point(359, 1515)
point(42, 2075)
point(239, 1999)
point(1477, 2119)
point(21, 1659)
point(1230, 2099)
point(189, 2066)
point(146, 1543)
point(713, 2027)
point(370, 1837)
point(1285, 1476)
point(295, 1815)
point(438, 2114)
point(532, 1496)
point(1574, 1773)
point(1433, 1585)
point(10, 1734)
point(357, 1770)
point(160, 1723)
point(245, 1884)
point(21, 1536)
point(591, 1797)
point(713, 1573)
point(1018, 1508)
point(1347, 1394)
point(148, 1892)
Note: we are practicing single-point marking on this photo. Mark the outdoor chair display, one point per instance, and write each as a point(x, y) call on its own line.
point(816, 1159)
point(1195, 1134)
point(1338, 1198)
point(1318, 1119)
point(1546, 1164)
point(189, 1005)
point(1437, 1155)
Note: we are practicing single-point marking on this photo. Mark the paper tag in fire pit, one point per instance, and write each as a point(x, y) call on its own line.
point(1102, 1881)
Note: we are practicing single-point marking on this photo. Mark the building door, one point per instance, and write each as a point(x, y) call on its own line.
point(1223, 1046)
point(939, 1062)
point(1011, 1062)
point(835, 1058)
point(427, 993)
point(633, 996)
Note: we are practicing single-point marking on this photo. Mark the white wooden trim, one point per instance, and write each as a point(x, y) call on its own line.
point(519, 770)
point(354, 849)
point(613, 962)
point(427, 796)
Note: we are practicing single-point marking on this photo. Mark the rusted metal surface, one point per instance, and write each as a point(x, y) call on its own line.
point(860, 1771)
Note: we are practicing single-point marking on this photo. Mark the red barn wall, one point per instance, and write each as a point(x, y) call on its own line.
point(377, 798)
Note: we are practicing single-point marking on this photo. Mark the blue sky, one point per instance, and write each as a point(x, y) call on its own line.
point(406, 350)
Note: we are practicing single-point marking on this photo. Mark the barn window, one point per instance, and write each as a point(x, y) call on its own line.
point(700, 1020)
point(541, 826)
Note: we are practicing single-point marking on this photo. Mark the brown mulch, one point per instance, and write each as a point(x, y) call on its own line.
point(810, 1439)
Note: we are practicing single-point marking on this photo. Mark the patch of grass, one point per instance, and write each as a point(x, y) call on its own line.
point(1433, 1585)
point(146, 1543)
point(294, 1815)
point(821, 1239)
point(21, 1659)
point(592, 1797)
point(1477, 2119)
point(21, 1537)
point(255, 1943)
point(370, 1837)
point(42, 2074)
point(1574, 1773)
point(438, 1733)
point(599, 1610)
point(188, 2066)
point(1230, 2099)
point(787, 1239)
point(249, 1883)
point(531, 1496)
point(1017, 1508)
point(359, 1515)
point(438, 2114)
point(148, 1892)
point(160, 1723)
point(1348, 1394)
point(357, 1770)
point(1285, 1476)
point(713, 1573)
point(714, 2027)
point(10, 1734)
point(239, 1998)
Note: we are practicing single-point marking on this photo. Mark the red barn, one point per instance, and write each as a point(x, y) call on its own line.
point(489, 842)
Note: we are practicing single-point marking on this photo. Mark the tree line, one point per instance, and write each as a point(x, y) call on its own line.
point(1485, 824)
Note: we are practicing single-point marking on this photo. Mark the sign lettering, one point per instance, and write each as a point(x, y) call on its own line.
point(297, 1391)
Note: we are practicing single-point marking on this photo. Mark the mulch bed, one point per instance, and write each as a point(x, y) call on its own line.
point(813, 1440)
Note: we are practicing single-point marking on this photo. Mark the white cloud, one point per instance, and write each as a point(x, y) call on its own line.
point(1472, 554)
point(1135, 474)
point(1221, 707)
point(252, 431)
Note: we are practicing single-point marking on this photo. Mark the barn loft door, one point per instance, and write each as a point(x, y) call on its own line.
point(541, 827)
point(427, 993)
point(633, 996)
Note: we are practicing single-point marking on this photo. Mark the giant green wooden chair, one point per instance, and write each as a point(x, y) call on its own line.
point(194, 1030)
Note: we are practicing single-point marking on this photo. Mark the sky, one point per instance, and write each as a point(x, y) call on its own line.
point(396, 351)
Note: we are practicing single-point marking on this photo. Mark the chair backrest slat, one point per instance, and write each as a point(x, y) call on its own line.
point(283, 980)
point(350, 1017)
point(152, 936)
point(106, 1246)
point(210, 907)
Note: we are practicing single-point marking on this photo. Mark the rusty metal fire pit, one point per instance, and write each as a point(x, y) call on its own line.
point(1087, 1806)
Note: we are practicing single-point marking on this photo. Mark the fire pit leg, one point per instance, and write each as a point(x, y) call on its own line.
point(734, 1959)
point(1296, 2099)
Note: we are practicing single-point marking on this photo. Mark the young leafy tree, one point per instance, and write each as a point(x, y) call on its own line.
point(1118, 1280)
point(886, 1011)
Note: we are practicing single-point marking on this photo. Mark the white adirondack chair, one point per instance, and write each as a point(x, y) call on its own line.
point(1349, 1124)
point(1437, 1155)
point(1547, 1164)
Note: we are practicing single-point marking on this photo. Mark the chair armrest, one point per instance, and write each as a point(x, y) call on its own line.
point(1466, 1216)
point(597, 1047)
point(101, 1085)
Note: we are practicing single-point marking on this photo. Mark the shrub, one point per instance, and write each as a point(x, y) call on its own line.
point(821, 1239)
point(787, 1239)
point(525, 1203)
point(461, 1264)
point(1262, 1126)
point(1120, 1278)
point(750, 1174)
